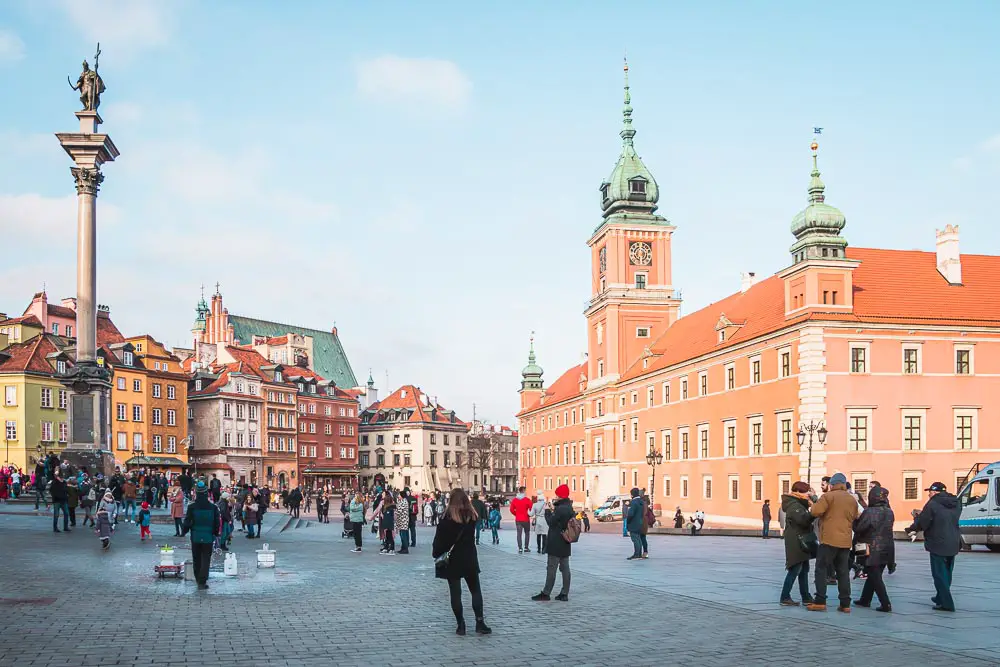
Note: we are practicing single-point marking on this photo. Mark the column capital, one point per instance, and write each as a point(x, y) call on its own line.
point(88, 180)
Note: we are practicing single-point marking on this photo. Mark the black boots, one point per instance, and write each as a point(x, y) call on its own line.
point(460, 630)
point(482, 628)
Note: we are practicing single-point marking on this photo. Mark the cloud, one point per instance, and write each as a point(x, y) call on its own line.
point(129, 25)
point(30, 217)
point(414, 80)
point(991, 145)
point(11, 47)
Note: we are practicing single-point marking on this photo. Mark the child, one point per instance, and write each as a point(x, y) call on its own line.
point(107, 513)
point(144, 520)
point(586, 522)
point(495, 523)
point(226, 518)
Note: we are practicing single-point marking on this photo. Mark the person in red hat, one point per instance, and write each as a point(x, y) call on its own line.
point(144, 519)
point(557, 548)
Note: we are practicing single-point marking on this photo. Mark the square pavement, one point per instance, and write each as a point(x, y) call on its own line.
point(696, 601)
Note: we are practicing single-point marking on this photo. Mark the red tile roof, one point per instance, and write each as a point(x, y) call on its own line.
point(413, 401)
point(107, 332)
point(565, 388)
point(30, 320)
point(61, 311)
point(29, 356)
point(250, 361)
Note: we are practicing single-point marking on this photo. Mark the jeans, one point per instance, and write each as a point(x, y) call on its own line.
point(356, 529)
point(636, 543)
point(455, 592)
point(130, 504)
point(874, 585)
point(404, 541)
point(941, 569)
point(550, 574)
point(250, 529)
point(645, 544)
point(178, 525)
point(389, 543)
point(201, 554)
point(798, 571)
point(767, 527)
point(413, 532)
point(496, 536)
point(525, 527)
point(39, 495)
point(72, 516)
point(479, 529)
point(56, 506)
point(541, 542)
point(833, 559)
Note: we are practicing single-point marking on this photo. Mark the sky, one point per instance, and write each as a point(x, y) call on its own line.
point(425, 175)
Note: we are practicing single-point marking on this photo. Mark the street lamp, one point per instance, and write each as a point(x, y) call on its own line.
point(812, 427)
point(654, 458)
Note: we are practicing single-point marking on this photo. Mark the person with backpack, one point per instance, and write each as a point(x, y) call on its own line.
point(495, 522)
point(203, 521)
point(88, 498)
point(144, 519)
point(539, 510)
point(564, 529)
point(649, 520)
point(635, 520)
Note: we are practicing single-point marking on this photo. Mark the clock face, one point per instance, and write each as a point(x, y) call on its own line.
point(603, 258)
point(640, 253)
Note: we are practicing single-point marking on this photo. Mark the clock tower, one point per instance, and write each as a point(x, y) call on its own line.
point(633, 301)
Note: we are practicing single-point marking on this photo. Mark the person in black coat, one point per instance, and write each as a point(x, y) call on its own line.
point(874, 528)
point(456, 536)
point(938, 521)
point(557, 548)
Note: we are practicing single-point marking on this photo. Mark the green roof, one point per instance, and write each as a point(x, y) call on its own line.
point(329, 358)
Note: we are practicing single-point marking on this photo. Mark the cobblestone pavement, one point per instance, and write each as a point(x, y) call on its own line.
point(696, 601)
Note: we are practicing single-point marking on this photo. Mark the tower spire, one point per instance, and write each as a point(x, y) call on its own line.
point(531, 375)
point(816, 186)
point(627, 132)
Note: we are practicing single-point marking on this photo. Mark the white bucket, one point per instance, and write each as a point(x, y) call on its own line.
point(230, 567)
point(266, 557)
point(167, 556)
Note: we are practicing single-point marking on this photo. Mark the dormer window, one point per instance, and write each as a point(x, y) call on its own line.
point(637, 186)
point(197, 385)
point(277, 376)
point(61, 367)
point(605, 192)
point(127, 358)
point(302, 387)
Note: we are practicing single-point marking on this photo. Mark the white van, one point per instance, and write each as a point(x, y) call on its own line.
point(611, 510)
point(980, 501)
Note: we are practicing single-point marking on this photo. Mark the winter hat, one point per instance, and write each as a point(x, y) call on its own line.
point(562, 491)
point(200, 487)
point(838, 478)
point(145, 505)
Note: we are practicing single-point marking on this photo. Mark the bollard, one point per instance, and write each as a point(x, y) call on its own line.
point(189, 570)
point(230, 567)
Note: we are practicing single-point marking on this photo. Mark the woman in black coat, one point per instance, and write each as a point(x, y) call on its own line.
point(456, 536)
point(874, 528)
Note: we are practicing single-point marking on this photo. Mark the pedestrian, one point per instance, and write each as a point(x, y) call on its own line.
point(938, 521)
point(480, 507)
point(88, 499)
point(215, 488)
point(413, 509)
point(72, 499)
point(107, 518)
point(177, 510)
point(634, 520)
point(428, 513)
point(586, 522)
point(495, 517)
point(225, 506)
point(356, 512)
point(387, 524)
point(538, 523)
point(837, 509)
point(520, 507)
point(648, 521)
point(678, 518)
point(58, 492)
point(203, 521)
point(800, 543)
point(455, 558)
point(559, 549)
point(129, 491)
point(144, 519)
point(15, 482)
point(874, 528)
point(765, 515)
point(403, 521)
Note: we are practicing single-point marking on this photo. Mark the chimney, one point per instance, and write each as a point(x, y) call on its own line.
point(949, 262)
point(747, 280)
point(104, 312)
point(334, 331)
point(69, 302)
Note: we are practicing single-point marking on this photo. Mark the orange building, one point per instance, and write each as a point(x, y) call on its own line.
point(876, 363)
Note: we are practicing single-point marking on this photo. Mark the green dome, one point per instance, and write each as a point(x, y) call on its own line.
point(631, 185)
point(531, 375)
point(817, 227)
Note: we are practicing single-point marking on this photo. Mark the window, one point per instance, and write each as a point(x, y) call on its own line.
point(121, 411)
point(46, 397)
point(730, 377)
point(227, 412)
point(63, 431)
point(666, 486)
point(860, 482)
point(227, 439)
point(252, 412)
point(965, 429)
point(734, 487)
point(63, 399)
point(433, 439)
point(406, 460)
point(649, 401)
point(636, 186)
point(976, 494)
point(667, 452)
point(642, 332)
point(61, 367)
point(755, 370)
point(122, 441)
point(911, 487)
point(157, 416)
point(859, 358)
point(911, 360)
point(857, 432)
point(785, 363)
point(303, 450)
point(137, 413)
point(684, 389)
point(136, 385)
point(434, 459)
point(650, 442)
point(312, 408)
point(364, 459)
point(136, 441)
point(786, 436)
point(912, 431)
point(600, 373)
point(395, 460)
point(127, 358)
point(157, 444)
point(171, 444)
point(251, 439)
point(730, 439)
point(171, 392)
point(703, 442)
point(121, 384)
point(684, 487)
point(197, 385)
point(963, 360)
point(757, 437)
point(640, 281)
point(784, 484)
point(666, 393)
point(46, 431)
point(635, 429)
point(69, 331)
point(157, 390)
point(706, 487)
point(703, 384)
point(684, 444)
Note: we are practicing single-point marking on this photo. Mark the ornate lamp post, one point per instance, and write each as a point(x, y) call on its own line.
point(812, 427)
point(654, 458)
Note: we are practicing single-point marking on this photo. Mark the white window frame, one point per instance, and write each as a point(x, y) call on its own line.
point(121, 383)
point(972, 359)
point(729, 488)
point(781, 371)
point(703, 383)
point(157, 390)
point(857, 476)
point(650, 441)
point(681, 432)
point(639, 332)
point(685, 487)
point(919, 348)
point(913, 412)
point(666, 486)
point(751, 421)
point(706, 480)
point(634, 398)
point(703, 429)
point(665, 392)
point(650, 399)
point(685, 393)
point(753, 488)
point(911, 474)
point(137, 385)
point(859, 345)
point(122, 441)
point(634, 429)
point(965, 412)
point(635, 280)
point(868, 413)
point(726, 425)
point(726, 370)
point(10, 395)
point(782, 478)
point(666, 442)
point(755, 359)
point(778, 418)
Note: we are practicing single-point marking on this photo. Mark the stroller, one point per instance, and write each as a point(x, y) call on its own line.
point(348, 531)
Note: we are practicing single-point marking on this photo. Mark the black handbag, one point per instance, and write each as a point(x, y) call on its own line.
point(441, 562)
point(809, 543)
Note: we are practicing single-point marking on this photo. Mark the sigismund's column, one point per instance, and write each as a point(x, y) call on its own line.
point(89, 408)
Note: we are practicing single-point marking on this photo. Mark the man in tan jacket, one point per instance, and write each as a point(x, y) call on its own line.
point(837, 509)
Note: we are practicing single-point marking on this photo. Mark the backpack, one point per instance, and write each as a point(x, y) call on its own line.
point(573, 530)
point(650, 517)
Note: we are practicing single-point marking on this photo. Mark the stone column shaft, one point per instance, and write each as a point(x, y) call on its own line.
point(86, 271)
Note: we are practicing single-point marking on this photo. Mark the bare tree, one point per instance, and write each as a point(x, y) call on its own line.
point(482, 455)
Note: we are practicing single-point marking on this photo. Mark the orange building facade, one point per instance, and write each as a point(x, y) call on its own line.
point(894, 354)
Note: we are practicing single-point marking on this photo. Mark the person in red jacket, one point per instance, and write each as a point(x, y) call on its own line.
point(520, 507)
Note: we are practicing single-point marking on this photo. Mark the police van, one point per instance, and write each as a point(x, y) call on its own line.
point(611, 510)
point(980, 502)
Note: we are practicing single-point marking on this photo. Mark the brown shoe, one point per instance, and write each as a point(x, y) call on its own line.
point(789, 603)
point(816, 606)
point(844, 610)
